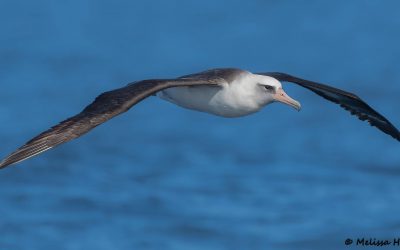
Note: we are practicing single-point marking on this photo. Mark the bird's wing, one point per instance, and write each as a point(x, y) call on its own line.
point(103, 108)
point(346, 100)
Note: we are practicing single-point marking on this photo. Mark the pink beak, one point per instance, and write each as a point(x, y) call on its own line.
point(281, 96)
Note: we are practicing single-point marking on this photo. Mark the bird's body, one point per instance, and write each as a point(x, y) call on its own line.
point(236, 98)
point(223, 92)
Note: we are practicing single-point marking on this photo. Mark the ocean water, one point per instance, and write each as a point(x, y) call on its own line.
point(162, 177)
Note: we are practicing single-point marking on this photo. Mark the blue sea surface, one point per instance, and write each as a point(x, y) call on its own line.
point(162, 177)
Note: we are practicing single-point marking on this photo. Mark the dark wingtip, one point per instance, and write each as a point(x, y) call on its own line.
point(373, 117)
point(24, 153)
point(4, 164)
point(9, 160)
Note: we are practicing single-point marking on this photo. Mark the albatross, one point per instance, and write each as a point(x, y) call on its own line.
point(226, 92)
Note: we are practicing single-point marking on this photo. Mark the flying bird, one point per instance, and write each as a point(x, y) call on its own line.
point(226, 92)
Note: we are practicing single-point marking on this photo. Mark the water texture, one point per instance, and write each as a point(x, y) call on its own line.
point(161, 177)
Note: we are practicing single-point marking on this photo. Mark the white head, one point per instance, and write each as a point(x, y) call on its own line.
point(271, 90)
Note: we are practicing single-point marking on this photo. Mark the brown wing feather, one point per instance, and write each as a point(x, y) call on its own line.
point(103, 108)
point(346, 100)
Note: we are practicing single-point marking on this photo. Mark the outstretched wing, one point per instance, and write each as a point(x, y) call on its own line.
point(104, 107)
point(346, 100)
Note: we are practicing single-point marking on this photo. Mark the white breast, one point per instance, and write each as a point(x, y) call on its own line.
point(237, 98)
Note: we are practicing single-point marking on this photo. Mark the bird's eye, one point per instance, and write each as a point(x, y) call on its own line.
point(269, 88)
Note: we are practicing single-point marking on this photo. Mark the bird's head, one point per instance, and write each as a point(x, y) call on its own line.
point(274, 92)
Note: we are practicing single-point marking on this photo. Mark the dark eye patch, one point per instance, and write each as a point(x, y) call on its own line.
point(269, 88)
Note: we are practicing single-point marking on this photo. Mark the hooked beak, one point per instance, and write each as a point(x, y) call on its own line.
point(281, 96)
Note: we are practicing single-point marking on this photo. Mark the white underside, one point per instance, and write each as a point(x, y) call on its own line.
point(238, 98)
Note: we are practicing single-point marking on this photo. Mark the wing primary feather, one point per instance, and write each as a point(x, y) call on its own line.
point(349, 101)
point(103, 108)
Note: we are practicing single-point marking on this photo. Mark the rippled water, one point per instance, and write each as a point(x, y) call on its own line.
point(161, 177)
